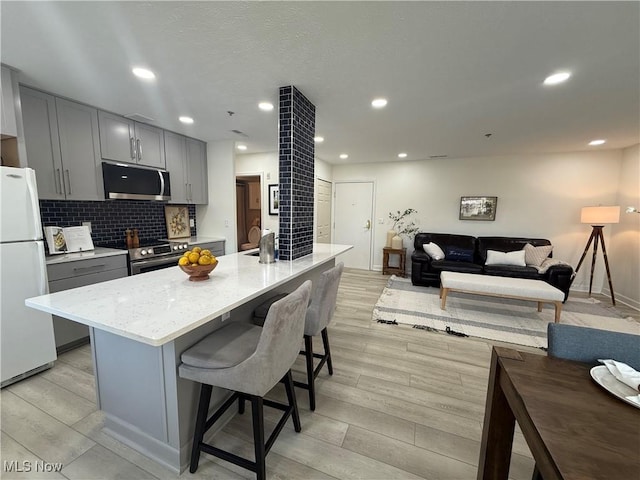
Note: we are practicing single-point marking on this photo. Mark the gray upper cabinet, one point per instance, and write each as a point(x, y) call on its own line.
point(42, 143)
point(123, 140)
point(197, 171)
point(61, 139)
point(175, 147)
point(187, 165)
point(80, 150)
point(8, 124)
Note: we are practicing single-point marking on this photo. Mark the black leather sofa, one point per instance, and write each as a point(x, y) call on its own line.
point(426, 271)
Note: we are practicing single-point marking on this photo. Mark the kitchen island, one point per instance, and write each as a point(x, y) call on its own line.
point(140, 325)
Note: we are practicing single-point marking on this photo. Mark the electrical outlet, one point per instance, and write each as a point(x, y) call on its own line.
point(268, 175)
point(380, 221)
point(226, 316)
point(192, 222)
point(87, 224)
point(226, 223)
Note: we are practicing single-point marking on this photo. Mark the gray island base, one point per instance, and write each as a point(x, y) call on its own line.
point(140, 326)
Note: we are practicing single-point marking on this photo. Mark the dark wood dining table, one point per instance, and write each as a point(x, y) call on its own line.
point(575, 429)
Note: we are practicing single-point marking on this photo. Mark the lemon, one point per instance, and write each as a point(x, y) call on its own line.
point(206, 252)
point(187, 253)
point(193, 257)
point(204, 260)
point(196, 249)
point(183, 261)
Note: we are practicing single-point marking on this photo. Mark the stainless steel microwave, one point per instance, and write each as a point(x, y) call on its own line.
point(130, 182)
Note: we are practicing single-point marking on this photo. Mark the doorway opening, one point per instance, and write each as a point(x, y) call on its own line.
point(249, 210)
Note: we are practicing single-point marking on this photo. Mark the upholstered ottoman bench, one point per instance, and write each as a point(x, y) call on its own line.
point(518, 288)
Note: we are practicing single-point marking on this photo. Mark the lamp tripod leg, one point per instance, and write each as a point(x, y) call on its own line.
point(593, 257)
point(586, 249)
point(606, 264)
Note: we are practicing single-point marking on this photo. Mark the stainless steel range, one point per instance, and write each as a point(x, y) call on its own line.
point(155, 256)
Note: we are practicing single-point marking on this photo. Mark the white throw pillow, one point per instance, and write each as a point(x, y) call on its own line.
point(433, 250)
point(536, 255)
point(505, 258)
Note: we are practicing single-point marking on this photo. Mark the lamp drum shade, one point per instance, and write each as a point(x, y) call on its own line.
point(600, 215)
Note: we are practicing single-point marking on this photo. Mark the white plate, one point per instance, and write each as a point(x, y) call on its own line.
point(611, 384)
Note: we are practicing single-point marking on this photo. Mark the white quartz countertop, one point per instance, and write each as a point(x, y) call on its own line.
point(159, 306)
point(73, 257)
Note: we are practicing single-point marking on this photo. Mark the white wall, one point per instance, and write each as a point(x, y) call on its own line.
point(624, 248)
point(538, 196)
point(218, 218)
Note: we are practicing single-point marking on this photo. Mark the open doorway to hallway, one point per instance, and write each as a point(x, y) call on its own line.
point(249, 211)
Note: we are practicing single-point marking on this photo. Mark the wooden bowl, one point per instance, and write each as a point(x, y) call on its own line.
point(199, 272)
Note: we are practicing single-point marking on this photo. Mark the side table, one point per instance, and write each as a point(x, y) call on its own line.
point(399, 270)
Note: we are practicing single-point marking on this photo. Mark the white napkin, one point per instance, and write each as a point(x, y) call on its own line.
point(625, 374)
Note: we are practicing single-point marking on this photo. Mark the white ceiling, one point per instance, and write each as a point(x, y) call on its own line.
point(452, 71)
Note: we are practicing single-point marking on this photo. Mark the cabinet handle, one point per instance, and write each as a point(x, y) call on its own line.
point(132, 143)
point(69, 181)
point(190, 194)
point(139, 143)
point(92, 267)
point(186, 191)
point(58, 180)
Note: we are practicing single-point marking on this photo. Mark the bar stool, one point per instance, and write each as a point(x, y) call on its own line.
point(250, 361)
point(319, 314)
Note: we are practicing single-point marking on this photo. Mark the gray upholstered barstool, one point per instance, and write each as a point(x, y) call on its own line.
point(319, 314)
point(250, 361)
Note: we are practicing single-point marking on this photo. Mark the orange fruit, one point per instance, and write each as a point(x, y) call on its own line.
point(193, 257)
point(183, 261)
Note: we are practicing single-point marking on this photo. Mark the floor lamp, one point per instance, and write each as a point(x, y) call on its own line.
point(597, 217)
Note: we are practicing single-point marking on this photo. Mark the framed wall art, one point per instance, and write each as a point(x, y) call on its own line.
point(478, 208)
point(274, 199)
point(177, 220)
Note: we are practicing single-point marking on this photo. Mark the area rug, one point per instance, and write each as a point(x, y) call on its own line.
point(493, 318)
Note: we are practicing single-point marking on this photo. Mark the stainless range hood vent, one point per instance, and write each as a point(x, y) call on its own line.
point(242, 134)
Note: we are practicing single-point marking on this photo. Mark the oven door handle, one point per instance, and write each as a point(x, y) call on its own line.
point(155, 261)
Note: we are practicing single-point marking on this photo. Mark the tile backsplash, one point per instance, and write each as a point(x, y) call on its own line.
point(110, 219)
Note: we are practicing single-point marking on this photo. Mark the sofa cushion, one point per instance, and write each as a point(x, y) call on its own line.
point(444, 239)
point(459, 254)
point(511, 271)
point(455, 266)
point(505, 258)
point(536, 255)
point(433, 250)
point(505, 244)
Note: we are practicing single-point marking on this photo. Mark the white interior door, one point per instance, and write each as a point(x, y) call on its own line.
point(323, 230)
point(353, 219)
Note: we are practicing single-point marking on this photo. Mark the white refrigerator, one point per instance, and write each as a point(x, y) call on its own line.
point(27, 344)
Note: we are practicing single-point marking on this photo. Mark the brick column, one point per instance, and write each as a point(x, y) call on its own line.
point(296, 127)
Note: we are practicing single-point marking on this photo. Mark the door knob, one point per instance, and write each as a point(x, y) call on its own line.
point(368, 225)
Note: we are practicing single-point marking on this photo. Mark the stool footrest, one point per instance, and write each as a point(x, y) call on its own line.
point(218, 413)
point(229, 457)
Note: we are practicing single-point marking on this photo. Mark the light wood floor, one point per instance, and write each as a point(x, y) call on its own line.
point(402, 403)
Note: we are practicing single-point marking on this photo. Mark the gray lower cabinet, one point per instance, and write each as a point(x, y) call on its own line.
point(124, 140)
point(62, 144)
point(216, 248)
point(73, 274)
point(187, 165)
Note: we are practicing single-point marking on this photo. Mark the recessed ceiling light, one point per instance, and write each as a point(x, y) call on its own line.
point(379, 103)
point(266, 106)
point(557, 78)
point(318, 139)
point(344, 156)
point(241, 147)
point(187, 120)
point(402, 155)
point(143, 73)
point(593, 143)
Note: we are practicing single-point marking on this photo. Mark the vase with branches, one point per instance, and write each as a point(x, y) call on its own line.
point(403, 225)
